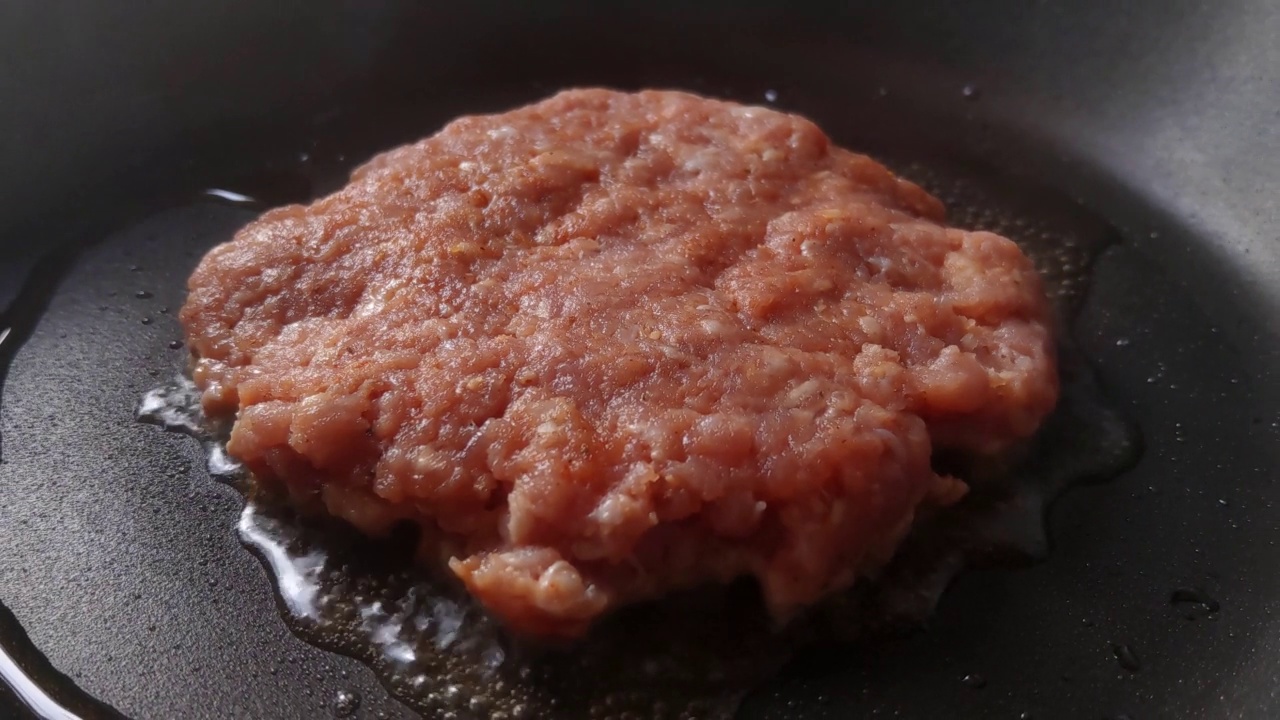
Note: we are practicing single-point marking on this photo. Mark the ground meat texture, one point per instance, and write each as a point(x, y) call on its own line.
point(610, 345)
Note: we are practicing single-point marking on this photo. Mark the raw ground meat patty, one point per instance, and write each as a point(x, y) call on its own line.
point(609, 345)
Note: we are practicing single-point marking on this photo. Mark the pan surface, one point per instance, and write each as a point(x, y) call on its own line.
point(124, 587)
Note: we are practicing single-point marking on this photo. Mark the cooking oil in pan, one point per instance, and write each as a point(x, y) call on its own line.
point(695, 655)
point(26, 676)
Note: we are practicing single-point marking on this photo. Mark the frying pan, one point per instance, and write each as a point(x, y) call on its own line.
point(125, 592)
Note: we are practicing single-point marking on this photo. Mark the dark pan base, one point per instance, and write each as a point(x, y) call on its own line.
point(118, 557)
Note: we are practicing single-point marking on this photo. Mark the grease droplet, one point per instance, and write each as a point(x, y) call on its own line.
point(345, 703)
point(1196, 602)
point(231, 196)
point(974, 680)
point(971, 92)
point(1127, 657)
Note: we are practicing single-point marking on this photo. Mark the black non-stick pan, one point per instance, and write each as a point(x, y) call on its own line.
point(1152, 125)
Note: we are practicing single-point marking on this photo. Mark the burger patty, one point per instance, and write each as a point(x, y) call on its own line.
point(610, 345)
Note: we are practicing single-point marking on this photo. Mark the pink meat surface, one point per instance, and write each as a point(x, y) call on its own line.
point(610, 345)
